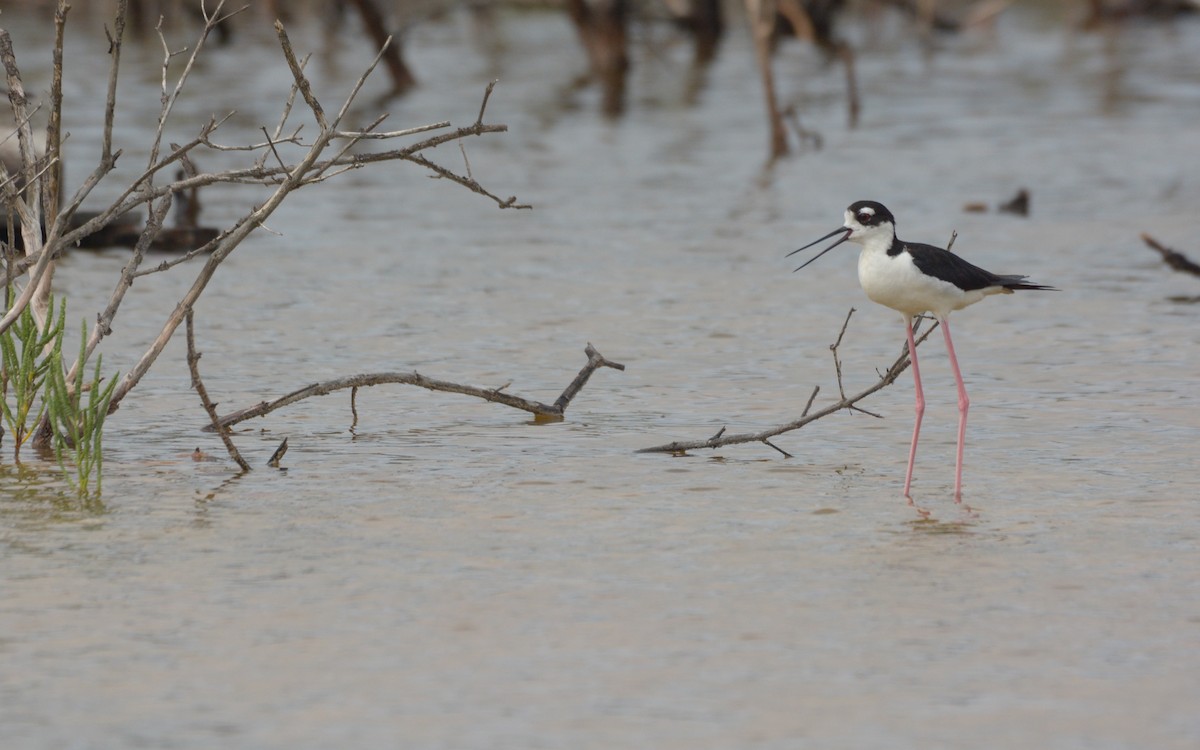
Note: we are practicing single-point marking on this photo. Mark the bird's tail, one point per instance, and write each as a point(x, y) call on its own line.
point(1014, 283)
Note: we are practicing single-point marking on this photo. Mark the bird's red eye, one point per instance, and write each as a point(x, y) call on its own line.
point(864, 218)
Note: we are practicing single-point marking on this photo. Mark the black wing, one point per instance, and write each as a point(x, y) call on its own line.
point(945, 265)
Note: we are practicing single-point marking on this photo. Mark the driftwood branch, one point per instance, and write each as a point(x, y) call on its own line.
point(193, 359)
point(548, 412)
point(720, 440)
point(1173, 258)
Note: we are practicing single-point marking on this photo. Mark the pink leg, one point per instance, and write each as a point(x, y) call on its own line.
point(964, 404)
point(920, 409)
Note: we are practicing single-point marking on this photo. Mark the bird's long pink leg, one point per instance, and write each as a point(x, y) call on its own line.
point(920, 409)
point(964, 404)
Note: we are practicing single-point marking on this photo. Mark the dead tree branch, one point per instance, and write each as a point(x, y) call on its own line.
point(28, 206)
point(193, 359)
point(285, 178)
point(299, 164)
point(543, 411)
point(680, 447)
point(1173, 258)
point(277, 456)
point(52, 186)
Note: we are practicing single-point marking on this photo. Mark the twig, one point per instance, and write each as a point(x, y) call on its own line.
point(550, 412)
point(110, 104)
point(29, 208)
point(277, 456)
point(242, 229)
point(466, 161)
point(364, 135)
point(300, 79)
point(193, 358)
point(681, 447)
point(595, 361)
point(812, 397)
point(487, 94)
point(12, 179)
point(837, 362)
point(138, 193)
point(776, 447)
point(837, 365)
point(271, 143)
point(52, 186)
point(315, 164)
point(211, 20)
point(1173, 258)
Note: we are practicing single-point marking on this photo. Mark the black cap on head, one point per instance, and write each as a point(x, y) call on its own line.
point(871, 213)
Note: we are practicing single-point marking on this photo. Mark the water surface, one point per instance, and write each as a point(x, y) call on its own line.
point(448, 574)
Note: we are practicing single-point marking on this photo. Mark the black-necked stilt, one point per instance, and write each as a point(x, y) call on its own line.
point(913, 279)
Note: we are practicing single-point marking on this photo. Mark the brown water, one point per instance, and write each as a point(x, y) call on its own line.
point(451, 575)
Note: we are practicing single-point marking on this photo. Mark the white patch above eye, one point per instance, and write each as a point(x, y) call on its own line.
point(867, 210)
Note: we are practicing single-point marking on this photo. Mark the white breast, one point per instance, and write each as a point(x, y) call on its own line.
point(894, 281)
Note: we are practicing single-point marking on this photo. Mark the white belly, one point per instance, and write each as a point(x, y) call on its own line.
point(895, 282)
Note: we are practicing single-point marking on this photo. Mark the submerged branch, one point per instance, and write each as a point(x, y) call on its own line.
point(719, 440)
point(193, 359)
point(541, 410)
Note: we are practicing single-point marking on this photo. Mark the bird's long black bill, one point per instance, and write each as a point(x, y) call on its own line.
point(840, 230)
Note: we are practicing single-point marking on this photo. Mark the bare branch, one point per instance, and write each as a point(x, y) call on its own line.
point(812, 397)
point(466, 161)
point(104, 320)
point(837, 363)
point(12, 179)
point(367, 135)
point(168, 100)
point(776, 447)
point(110, 105)
point(193, 359)
point(204, 249)
point(468, 183)
point(1173, 258)
point(52, 186)
point(357, 87)
point(271, 143)
point(231, 239)
point(282, 178)
point(298, 76)
point(29, 208)
point(154, 225)
point(487, 94)
point(719, 440)
point(135, 194)
point(287, 111)
point(550, 412)
point(277, 456)
point(132, 197)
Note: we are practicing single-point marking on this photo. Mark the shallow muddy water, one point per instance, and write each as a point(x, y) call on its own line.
point(451, 575)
